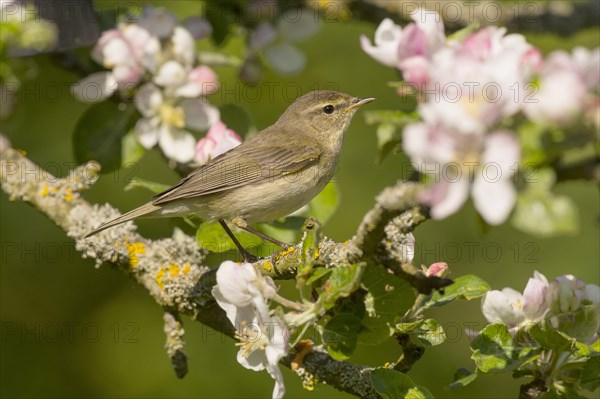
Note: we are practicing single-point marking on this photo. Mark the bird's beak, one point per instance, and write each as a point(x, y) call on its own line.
point(358, 102)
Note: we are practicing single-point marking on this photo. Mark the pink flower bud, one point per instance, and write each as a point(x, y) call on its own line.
point(438, 269)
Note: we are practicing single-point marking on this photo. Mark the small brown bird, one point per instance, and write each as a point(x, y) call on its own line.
point(272, 174)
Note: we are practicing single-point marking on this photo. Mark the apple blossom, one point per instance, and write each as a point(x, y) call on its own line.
point(455, 159)
point(170, 104)
point(567, 293)
point(127, 51)
point(243, 293)
point(566, 86)
point(387, 39)
point(510, 307)
point(276, 41)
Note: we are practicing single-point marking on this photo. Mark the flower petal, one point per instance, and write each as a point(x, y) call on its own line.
point(502, 306)
point(176, 144)
point(171, 74)
point(148, 100)
point(199, 114)
point(146, 131)
point(285, 59)
point(494, 200)
point(184, 46)
point(95, 87)
point(503, 151)
point(233, 280)
point(445, 197)
point(298, 27)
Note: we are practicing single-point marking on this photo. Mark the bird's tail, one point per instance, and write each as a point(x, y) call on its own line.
point(143, 210)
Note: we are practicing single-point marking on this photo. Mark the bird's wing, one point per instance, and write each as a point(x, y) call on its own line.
point(241, 166)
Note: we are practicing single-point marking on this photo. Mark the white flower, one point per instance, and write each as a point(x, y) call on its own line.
point(387, 39)
point(566, 293)
point(164, 120)
point(171, 103)
point(504, 306)
point(243, 293)
point(512, 308)
point(127, 51)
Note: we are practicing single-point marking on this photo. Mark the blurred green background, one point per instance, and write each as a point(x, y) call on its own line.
point(71, 330)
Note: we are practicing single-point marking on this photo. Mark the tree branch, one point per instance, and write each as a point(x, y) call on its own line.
point(171, 269)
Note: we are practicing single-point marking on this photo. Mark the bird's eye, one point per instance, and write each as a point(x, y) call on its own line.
point(328, 109)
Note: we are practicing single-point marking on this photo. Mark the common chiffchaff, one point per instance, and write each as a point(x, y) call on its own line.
point(269, 176)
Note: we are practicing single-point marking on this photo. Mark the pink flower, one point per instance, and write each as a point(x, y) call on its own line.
point(396, 47)
point(423, 37)
point(217, 141)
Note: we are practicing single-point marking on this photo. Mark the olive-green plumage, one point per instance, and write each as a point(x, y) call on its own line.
point(270, 175)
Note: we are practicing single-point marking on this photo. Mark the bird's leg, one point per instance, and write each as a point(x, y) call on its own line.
point(241, 223)
point(248, 257)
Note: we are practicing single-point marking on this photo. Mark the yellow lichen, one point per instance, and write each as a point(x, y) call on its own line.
point(173, 271)
point(267, 265)
point(284, 253)
point(135, 249)
point(160, 275)
point(69, 194)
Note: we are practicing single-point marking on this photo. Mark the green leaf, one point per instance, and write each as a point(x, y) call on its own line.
point(317, 274)
point(220, 16)
point(540, 212)
point(340, 335)
point(342, 282)
point(237, 119)
point(388, 298)
point(493, 348)
point(392, 384)
point(99, 133)
point(590, 375)
point(323, 206)
point(388, 138)
point(131, 149)
point(595, 346)
point(462, 34)
point(549, 337)
point(149, 185)
point(407, 328)
point(462, 377)
point(211, 236)
point(430, 332)
point(466, 287)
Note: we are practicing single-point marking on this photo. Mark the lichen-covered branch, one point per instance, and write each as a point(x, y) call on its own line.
point(172, 269)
